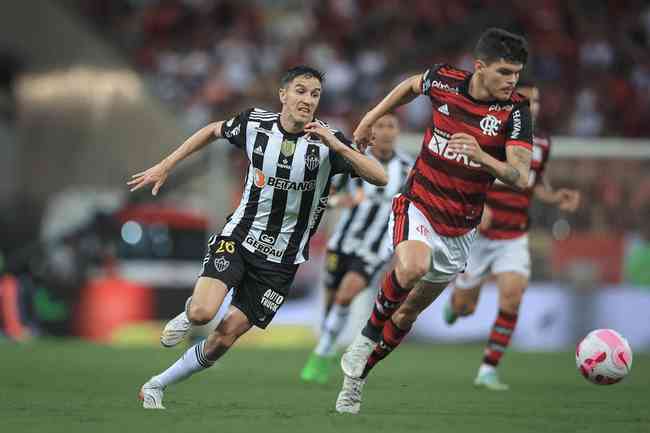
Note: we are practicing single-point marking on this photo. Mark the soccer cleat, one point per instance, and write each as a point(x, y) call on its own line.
point(151, 395)
point(355, 357)
point(317, 369)
point(448, 314)
point(349, 399)
point(490, 380)
point(176, 329)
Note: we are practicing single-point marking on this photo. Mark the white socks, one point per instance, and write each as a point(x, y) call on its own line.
point(192, 361)
point(332, 327)
point(486, 368)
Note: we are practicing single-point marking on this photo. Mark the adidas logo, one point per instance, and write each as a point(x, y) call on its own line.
point(444, 109)
point(258, 150)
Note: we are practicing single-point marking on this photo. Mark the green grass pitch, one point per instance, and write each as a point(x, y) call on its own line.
point(70, 386)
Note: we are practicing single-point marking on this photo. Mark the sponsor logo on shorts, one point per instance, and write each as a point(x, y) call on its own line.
point(423, 230)
point(263, 247)
point(272, 300)
point(221, 264)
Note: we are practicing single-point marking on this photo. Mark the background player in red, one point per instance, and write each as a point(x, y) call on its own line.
point(480, 130)
point(501, 250)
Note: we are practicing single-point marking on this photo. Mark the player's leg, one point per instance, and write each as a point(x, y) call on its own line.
point(466, 288)
point(511, 289)
point(319, 365)
point(512, 269)
point(221, 270)
point(197, 358)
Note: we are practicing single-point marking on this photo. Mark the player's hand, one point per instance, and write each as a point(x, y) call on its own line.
point(486, 219)
point(325, 135)
point(156, 175)
point(363, 136)
point(465, 144)
point(569, 199)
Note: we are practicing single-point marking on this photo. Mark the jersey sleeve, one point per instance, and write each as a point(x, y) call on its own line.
point(340, 164)
point(234, 129)
point(519, 128)
point(428, 77)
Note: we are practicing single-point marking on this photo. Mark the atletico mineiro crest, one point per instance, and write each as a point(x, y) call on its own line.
point(288, 148)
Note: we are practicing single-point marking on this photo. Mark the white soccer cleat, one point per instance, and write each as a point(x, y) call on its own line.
point(355, 357)
point(349, 399)
point(175, 330)
point(151, 395)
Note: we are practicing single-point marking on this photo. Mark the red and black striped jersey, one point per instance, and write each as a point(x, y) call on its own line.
point(445, 186)
point(509, 206)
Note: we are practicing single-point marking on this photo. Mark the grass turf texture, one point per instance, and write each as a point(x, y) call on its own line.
point(70, 386)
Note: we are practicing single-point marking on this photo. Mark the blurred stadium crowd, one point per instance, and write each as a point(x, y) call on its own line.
point(206, 56)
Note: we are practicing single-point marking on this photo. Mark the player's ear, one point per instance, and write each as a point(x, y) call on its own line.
point(479, 65)
point(283, 95)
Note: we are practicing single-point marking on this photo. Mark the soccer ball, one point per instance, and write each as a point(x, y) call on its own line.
point(604, 357)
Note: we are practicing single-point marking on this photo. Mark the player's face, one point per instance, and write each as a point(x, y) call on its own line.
point(499, 78)
point(532, 93)
point(385, 131)
point(300, 98)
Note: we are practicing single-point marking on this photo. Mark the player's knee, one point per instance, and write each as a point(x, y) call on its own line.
point(199, 315)
point(511, 300)
point(468, 307)
point(409, 273)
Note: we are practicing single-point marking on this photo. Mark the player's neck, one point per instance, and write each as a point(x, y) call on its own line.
point(289, 124)
point(478, 92)
point(381, 154)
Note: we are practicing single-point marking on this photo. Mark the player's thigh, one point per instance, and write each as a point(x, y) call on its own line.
point(352, 284)
point(209, 294)
point(413, 257)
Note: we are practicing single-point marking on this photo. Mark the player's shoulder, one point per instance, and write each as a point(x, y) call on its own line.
point(261, 114)
point(404, 158)
point(451, 72)
point(519, 100)
point(443, 77)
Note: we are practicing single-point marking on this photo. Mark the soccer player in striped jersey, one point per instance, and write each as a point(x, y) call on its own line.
point(501, 251)
point(480, 130)
point(358, 248)
point(293, 157)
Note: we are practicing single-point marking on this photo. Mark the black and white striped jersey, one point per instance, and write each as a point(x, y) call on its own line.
point(286, 187)
point(361, 230)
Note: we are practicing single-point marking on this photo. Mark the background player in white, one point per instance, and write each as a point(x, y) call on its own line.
point(258, 251)
point(501, 251)
point(358, 248)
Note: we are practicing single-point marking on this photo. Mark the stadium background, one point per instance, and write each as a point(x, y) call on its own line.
point(92, 91)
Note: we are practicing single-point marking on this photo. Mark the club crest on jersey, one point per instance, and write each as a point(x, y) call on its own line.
point(288, 148)
point(221, 264)
point(490, 125)
point(311, 161)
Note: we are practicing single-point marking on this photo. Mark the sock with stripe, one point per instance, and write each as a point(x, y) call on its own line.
point(192, 361)
point(390, 297)
point(334, 323)
point(391, 337)
point(500, 336)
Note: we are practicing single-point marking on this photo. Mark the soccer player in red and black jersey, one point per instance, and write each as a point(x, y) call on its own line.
point(480, 130)
point(501, 251)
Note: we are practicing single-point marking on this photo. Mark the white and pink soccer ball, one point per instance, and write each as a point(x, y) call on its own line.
point(604, 357)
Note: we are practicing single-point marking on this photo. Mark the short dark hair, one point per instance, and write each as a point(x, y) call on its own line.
point(496, 44)
point(297, 71)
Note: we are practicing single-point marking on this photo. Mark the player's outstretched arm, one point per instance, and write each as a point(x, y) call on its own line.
point(367, 168)
point(514, 171)
point(565, 199)
point(157, 174)
point(402, 94)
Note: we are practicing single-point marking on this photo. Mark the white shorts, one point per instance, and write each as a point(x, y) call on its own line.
point(448, 254)
point(490, 256)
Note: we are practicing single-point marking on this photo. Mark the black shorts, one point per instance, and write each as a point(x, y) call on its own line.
point(260, 286)
point(338, 264)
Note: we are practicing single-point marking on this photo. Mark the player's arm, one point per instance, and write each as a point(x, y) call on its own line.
point(159, 172)
point(345, 199)
point(369, 169)
point(565, 199)
point(402, 94)
point(514, 171)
